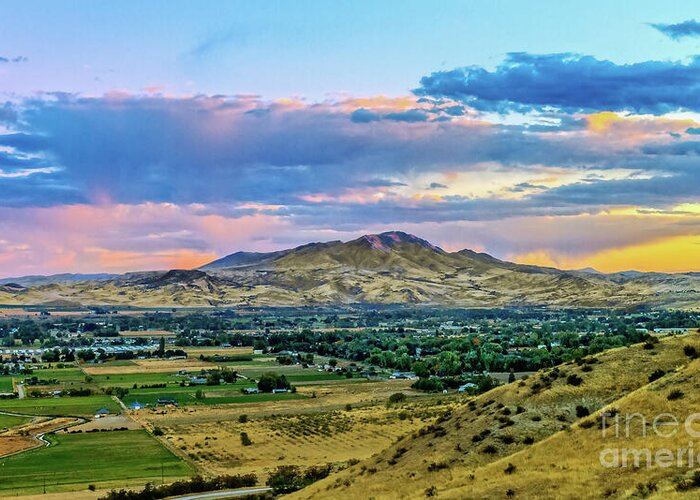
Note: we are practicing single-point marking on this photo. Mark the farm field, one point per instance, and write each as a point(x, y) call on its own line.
point(7, 421)
point(291, 432)
point(68, 406)
point(60, 374)
point(96, 458)
point(6, 383)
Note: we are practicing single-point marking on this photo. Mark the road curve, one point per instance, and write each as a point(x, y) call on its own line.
point(223, 494)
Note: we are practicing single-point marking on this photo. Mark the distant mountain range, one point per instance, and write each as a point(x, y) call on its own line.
point(387, 268)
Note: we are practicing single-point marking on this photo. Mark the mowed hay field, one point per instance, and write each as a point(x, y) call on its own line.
point(305, 432)
point(334, 437)
point(102, 458)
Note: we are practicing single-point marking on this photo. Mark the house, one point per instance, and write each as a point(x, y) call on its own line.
point(198, 381)
point(403, 376)
point(166, 402)
point(251, 390)
point(467, 386)
point(136, 406)
point(279, 391)
point(102, 412)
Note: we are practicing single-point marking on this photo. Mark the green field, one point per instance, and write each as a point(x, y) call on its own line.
point(7, 421)
point(79, 406)
point(75, 460)
point(6, 383)
point(60, 374)
point(129, 379)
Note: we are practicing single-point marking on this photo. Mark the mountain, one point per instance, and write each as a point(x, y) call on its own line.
point(36, 280)
point(528, 439)
point(387, 268)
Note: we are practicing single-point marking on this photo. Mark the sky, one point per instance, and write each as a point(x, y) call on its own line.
point(165, 134)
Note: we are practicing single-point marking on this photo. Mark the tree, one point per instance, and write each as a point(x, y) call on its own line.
point(161, 347)
point(271, 380)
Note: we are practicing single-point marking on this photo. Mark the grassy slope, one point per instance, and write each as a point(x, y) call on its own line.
point(76, 459)
point(446, 455)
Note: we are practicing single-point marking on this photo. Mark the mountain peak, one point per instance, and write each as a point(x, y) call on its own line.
point(384, 242)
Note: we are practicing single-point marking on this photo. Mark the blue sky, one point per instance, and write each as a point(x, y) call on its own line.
point(541, 132)
point(312, 49)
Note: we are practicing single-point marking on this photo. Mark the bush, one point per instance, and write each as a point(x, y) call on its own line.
point(431, 492)
point(397, 397)
point(195, 485)
point(289, 478)
point(656, 375)
point(245, 440)
point(690, 351)
point(675, 394)
point(510, 469)
point(684, 483)
point(582, 411)
point(243, 418)
point(157, 431)
point(574, 380)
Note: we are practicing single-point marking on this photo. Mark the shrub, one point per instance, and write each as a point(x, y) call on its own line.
point(684, 483)
point(675, 394)
point(397, 397)
point(489, 449)
point(245, 440)
point(435, 466)
point(510, 469)
point(431, 492)
point(690, 351)
point(196, 484)
point(528, 440)
point(656, 375)
point(157, 431)
point(582, 411)
point(574, 380)
point(243, 418)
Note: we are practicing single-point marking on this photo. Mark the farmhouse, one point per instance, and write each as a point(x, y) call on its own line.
point(102, 412)
point(135, 406)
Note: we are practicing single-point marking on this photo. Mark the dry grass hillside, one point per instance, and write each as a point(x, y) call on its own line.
point(532, 439)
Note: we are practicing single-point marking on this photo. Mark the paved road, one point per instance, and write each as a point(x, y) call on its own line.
point(224, 494)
